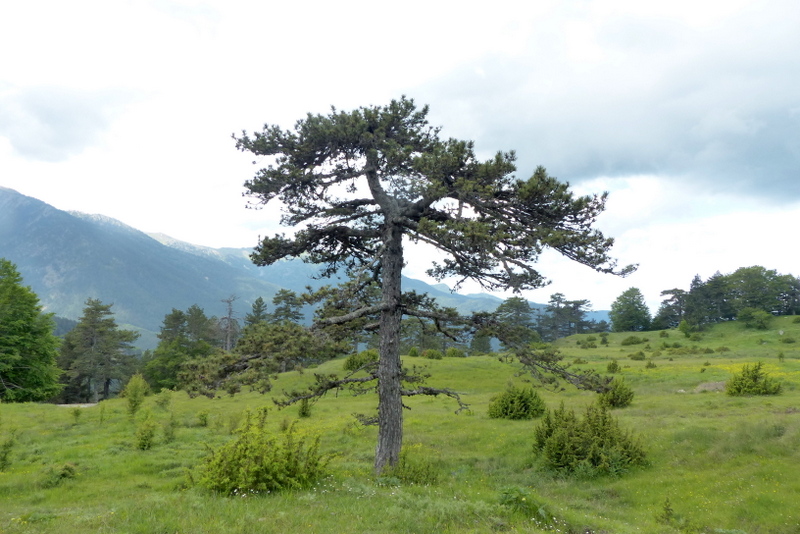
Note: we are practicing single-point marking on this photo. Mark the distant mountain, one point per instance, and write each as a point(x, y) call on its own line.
point(67, 257)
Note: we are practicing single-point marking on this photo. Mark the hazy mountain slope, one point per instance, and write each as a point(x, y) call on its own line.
point(69, 257)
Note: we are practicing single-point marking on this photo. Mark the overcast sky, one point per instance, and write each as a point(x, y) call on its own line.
point(687, 112)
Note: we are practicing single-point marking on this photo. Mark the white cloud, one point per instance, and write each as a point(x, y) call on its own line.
point(685, 111)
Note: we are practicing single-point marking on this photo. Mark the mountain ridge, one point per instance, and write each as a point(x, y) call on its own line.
point(68, 257)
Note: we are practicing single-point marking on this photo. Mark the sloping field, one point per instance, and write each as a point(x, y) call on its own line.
point(716, 463)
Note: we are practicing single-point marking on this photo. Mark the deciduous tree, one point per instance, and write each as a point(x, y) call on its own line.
point(355, 185)
point(629, 313)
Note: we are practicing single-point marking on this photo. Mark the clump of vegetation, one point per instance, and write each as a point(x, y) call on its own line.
point(517, 403)
point(637, 356)
point(591, 446)
point(413, 352)
point(145, 436)
point(454, 352)
point(650, 364)
point(604, 338)
point(618, 395)
point(305, 409)
point(753, 380)
point(663, 333)
point(6, 445)
point(257, 461)
point(202, 418)
point(413, 466)
point(788, 339)
point(135, 391)
point(358, 360)
point(580, 361)
point(432, 354)
point(633, 340)
point(56, 475)
point(164, 399)
point(613, 367)
point(520, 501)
point(754, 318)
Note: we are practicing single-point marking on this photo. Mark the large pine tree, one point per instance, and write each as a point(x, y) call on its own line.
point(357, 185)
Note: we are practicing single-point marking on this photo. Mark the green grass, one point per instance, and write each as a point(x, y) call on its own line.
point(728, 463)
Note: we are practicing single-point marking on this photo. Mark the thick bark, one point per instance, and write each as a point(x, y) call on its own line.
point(390, 403)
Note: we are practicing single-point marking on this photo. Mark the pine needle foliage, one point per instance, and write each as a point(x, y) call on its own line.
point(591, 446)
point(753, 380)
point(618, 395)
point(517, 403)
point(257, 461)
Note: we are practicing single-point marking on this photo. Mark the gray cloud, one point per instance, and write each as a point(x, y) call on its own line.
point(718, 108)
point(54, 123)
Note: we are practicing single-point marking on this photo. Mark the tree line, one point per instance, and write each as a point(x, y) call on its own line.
point(751, 294)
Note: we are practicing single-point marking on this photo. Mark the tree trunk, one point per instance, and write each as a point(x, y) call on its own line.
point(390, 402)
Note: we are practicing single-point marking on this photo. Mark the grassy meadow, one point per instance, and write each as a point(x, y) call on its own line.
point(717, 464)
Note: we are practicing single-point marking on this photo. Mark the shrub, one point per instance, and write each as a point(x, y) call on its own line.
point(413, 352)
point(257, 461)
point(650, 364)
point(135, 392)
point(754, 318)
point(305, 409)
point(633, 340)
point(202, 418)
point(796, 320)
point(752, 381)
point(592, 446)
point(516, 403)
point(55, 476)
point(696, 337)
point(164, 399)
point(637, 356)
point(788, 339)
point(663, 333)
point(580, 361)
point(6, 444)
point(145, 436)
point(432, 354)
point(454, 352)
point(358, 360)
point(723, 349)
point(618, 395)
point(613, 367)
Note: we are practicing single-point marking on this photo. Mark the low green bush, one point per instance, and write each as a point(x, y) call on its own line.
point(454, 352)
point(637, 356)
point(413, 352)
point(613, 367)
point(633, 340)
point(517, 403)
point(752, 381)
point(360, 359)
point(135, 391)
point(145, 436)
point(593, 445)
point(788, 339)
point(618, 395)
point(432, 354)
point(258, 462)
